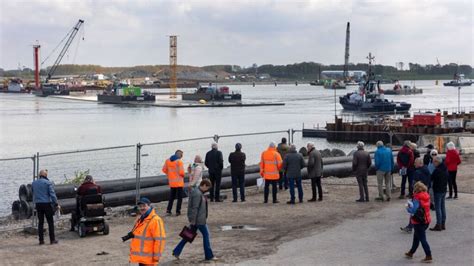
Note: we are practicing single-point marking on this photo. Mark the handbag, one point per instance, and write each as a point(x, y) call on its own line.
point(188, 234)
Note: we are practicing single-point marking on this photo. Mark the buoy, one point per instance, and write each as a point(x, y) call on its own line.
point(202, 101)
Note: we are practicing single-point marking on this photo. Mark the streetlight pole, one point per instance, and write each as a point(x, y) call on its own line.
point(459, 99)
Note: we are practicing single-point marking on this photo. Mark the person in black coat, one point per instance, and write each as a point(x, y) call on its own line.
point(440, 183)
point(427, 157)
point(215, 162)
point(237, 171)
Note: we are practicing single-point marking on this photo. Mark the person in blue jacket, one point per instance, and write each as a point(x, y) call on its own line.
point(383, 165)
point(46, 203)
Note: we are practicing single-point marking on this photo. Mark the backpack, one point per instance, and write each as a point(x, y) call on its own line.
point(419, 215)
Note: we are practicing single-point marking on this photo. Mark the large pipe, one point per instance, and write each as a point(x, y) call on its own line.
point(110, 186)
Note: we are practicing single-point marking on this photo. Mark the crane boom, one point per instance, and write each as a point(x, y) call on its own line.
point(64, 50)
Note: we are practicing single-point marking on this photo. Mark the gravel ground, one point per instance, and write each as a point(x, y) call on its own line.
point(278, 224)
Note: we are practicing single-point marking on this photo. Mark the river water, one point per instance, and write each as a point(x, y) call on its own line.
point(30, 124)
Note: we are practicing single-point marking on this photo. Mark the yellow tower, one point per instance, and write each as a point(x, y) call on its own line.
point(173, 65)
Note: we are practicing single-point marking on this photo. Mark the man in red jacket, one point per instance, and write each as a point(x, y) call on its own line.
point(405, 161)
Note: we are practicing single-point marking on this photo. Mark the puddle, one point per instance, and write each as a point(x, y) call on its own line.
point(239, 227)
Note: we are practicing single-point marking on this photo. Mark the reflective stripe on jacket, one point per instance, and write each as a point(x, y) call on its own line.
point(270, 164)
point(175, 172)
point(148, 243)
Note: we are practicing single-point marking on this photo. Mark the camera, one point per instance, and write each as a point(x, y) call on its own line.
point(127, 237)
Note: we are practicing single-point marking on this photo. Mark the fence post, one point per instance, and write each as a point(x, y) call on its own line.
point(390, 134)
point(137, 171)
point(292, 136)
point(289, 136)
point(34, 166)
point(37, 164)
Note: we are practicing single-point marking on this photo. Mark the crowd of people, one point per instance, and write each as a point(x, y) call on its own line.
point(281, 167)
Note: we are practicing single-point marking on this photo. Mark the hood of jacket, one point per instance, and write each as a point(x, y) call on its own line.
point(174, 157)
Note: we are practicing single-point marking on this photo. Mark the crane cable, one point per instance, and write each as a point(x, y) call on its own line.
point(77, 45)
point(59, 44)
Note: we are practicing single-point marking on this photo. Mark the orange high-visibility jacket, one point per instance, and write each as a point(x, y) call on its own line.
point(270, 164)
point(175, 172)
point(149, 239)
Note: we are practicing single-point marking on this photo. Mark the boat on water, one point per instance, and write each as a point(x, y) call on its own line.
point(123, 93)
point(398, 89)
point(212, 93)
point(14, 85)
point(370, 97)
point(458, 81)
point(48, 89)
point(334, 84)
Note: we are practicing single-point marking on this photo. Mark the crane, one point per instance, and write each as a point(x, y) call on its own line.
point(71, 35)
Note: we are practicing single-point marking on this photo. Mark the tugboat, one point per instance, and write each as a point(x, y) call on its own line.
point(48, 89)
point(123, 93)
point(458, 81)
point(212, 93)
point(370, 97)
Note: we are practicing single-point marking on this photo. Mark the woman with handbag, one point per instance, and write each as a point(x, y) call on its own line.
point(421, 218)
point(197, 216)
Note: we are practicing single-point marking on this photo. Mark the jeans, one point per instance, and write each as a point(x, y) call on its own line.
point(452, 183)
point(175, 192)
point(363, 189)
point(387, 178)
point(205, 239)
point(45, 209)
point(238, 180)
point(440, 208)
point(316, 182)
point(266, 190)
point(283, 180)
point(420, 236)
point(291, 181)
point(214, 191)
point(409, 177)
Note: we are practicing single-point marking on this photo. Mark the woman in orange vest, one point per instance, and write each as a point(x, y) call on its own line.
point(148, 236)
point(270, 165)
point(174, 169)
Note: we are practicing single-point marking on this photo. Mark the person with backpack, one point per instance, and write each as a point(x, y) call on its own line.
point(420, 218)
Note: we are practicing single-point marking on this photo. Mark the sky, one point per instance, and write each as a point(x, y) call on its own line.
point(239, 32)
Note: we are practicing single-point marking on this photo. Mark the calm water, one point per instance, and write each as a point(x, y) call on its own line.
point(31, 124)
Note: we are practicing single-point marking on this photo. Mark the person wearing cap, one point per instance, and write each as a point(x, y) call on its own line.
point(427, 159)
point(214, 162)
point(45, 202)
point(315, 171)
point(149, 236)
point(270, 166)
point(237, 171)
point(361, 163)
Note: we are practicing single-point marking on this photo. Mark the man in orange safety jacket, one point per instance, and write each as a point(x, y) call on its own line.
point(270, 165)
point(174, 169)
point(148, 236)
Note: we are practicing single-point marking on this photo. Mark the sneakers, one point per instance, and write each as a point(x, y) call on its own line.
point(168, 214)
point(276, 201)
point(312, 200)
point(427, 259)
point(405, 229)
point(409, 255)
point(175, 256)
point(290, 202)
point(212, 259)
point(178, 213)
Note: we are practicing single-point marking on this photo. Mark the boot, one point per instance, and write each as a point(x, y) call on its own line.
point(409, 255)
point(443, 227)
point(312, 200)
point(427, 259)
point(437, 227)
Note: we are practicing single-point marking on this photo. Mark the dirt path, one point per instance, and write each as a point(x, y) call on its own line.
point(278, 224)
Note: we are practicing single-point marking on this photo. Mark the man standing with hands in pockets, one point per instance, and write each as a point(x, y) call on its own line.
point(46, 204)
